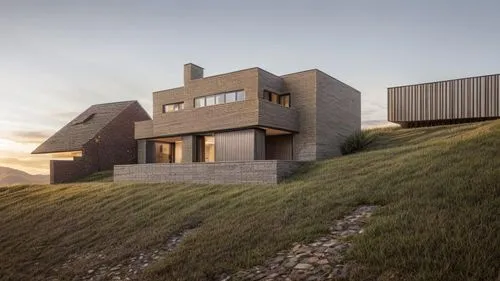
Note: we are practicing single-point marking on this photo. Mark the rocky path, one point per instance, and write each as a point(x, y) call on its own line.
point(129, 269)
point(322, 259)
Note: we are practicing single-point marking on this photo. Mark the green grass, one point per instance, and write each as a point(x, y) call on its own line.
point(103, 176)
point(438, 190)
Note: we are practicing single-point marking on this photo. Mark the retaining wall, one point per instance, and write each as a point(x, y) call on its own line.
point(256, 172)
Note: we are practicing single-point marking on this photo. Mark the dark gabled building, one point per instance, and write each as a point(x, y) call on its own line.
point(102, 136)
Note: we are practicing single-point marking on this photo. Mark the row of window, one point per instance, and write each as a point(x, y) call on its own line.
point(283, 100)
point(219, 99)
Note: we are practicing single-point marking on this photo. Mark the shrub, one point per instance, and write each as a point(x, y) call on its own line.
point(356, 142)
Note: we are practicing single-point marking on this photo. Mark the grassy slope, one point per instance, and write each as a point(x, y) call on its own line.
point(439, 189)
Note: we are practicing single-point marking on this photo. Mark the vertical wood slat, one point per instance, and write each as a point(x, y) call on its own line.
point(475, 97)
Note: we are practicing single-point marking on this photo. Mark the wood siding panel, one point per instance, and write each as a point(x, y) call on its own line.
point(468, 98)
point(235, 145)
point(279, 147)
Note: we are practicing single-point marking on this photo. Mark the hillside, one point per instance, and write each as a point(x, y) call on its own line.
point(436, 193)
point(9, 176)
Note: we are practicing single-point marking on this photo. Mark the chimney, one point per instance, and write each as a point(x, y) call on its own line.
point(191, 72)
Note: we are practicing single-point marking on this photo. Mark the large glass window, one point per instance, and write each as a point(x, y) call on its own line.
point(172, 107)
point(220, 98)
point(209, 149)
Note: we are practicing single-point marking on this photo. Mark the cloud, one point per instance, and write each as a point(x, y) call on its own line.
point(66, 116)
point(29, 164)
point(28, 137)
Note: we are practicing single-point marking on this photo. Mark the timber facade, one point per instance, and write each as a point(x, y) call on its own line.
point(445, 102)
point(249, 115)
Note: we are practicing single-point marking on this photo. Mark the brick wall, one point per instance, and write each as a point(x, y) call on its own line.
point(63, 171)
point(302, 88)
point(255, 172)
point(338, 115)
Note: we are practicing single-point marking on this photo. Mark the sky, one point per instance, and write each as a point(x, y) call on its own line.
point(59, 57)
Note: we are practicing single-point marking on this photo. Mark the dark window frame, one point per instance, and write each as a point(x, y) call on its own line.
point(236, 93)
point(180, 106)
point(269, 95)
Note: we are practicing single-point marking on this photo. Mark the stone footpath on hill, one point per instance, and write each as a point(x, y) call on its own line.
point(129, 269)
point(322, 259)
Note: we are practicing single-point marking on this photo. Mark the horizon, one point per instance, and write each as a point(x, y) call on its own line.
point(60, 58)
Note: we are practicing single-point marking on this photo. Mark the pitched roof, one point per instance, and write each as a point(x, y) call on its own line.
point(83, 128)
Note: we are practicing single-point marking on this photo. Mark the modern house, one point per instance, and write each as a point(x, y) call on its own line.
point(245, 126)
point(101, 137)
point(445, 102)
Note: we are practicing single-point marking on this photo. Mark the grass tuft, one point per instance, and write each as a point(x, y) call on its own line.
point(357, 141)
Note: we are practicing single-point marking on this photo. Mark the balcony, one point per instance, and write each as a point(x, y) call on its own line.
point(273, 115)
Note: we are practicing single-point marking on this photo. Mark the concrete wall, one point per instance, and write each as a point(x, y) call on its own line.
point(255, 172)
point(338, 114)
point(466, 99)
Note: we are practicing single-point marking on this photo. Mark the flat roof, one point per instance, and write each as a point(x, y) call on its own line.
point(449, 80)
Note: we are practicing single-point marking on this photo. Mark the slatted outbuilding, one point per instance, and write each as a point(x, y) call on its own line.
point(445, 102)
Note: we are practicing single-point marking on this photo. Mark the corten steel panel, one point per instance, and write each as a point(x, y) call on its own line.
point(338, 114)
point(467, 98)
point(235, 145)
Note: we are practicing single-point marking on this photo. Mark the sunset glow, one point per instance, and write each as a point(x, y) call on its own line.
point(57, 59)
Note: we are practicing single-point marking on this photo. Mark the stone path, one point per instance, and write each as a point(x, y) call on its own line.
point(322, 259)
point(129, 269)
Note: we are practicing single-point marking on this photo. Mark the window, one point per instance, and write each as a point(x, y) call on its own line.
point(220, 99)
point(230, 97)
point(240, 96)
point(285, 100)
point(172, 107)
point(199, 102)
point(210, 100)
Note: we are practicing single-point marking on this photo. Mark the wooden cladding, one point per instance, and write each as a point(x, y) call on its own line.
point(475, 97)
point(236, 145)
